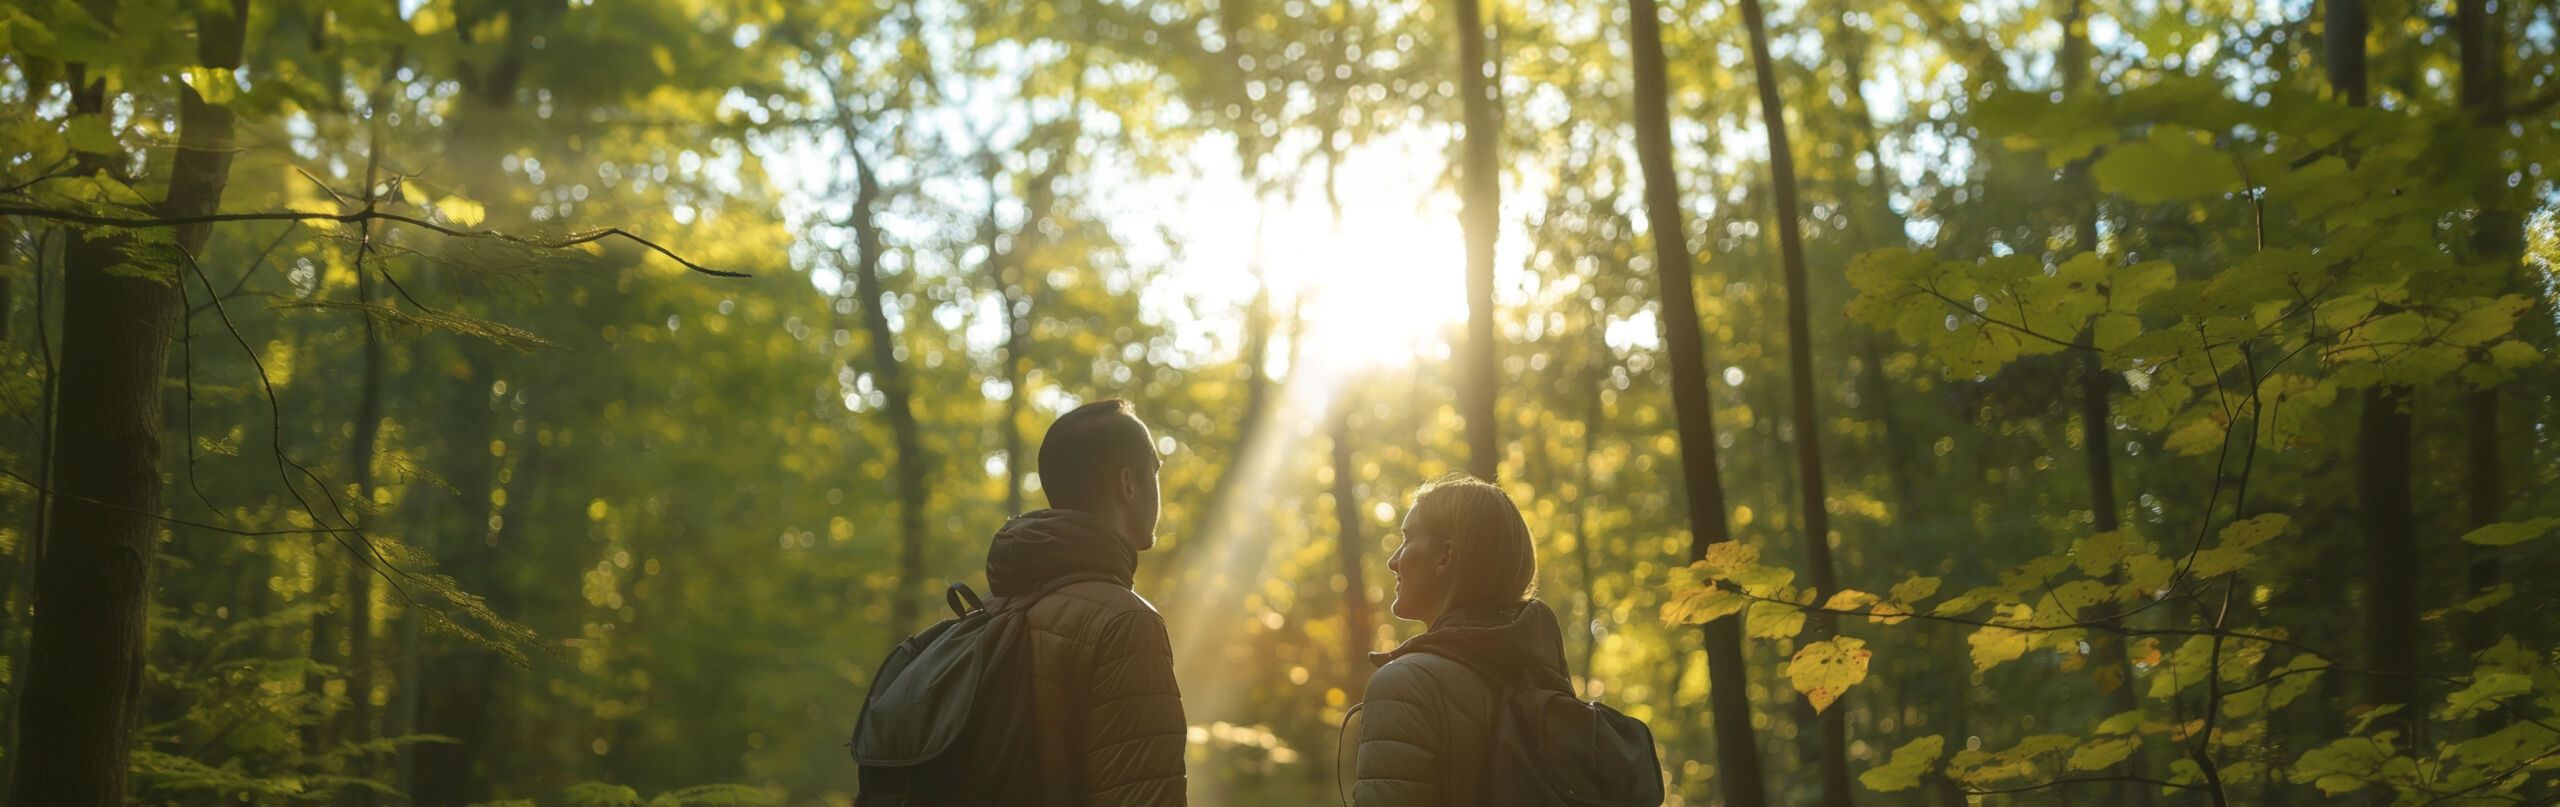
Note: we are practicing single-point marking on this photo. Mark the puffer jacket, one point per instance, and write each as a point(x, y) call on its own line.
point(1104, 702)
point(1428, 723)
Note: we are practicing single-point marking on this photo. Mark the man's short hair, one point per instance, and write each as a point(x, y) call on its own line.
point(1081, 458)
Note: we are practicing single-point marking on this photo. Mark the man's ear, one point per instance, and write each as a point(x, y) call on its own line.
point(1128, 485)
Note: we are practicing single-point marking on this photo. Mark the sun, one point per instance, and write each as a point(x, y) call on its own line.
point(1380, 286)
point(1380, 290)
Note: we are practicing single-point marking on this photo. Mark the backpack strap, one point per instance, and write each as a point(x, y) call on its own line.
point(962, 600)
point(1340, 735)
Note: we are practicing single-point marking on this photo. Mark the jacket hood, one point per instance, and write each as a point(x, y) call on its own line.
point(1522, 641)
point(1044, 545)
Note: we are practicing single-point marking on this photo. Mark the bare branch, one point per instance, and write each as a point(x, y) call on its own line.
point(357, 217)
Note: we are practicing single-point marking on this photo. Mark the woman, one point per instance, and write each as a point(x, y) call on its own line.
point(1465, 569)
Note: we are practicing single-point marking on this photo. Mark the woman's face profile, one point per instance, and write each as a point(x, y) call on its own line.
point(1421, 568)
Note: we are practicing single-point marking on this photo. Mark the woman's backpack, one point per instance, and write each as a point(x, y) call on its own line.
point(948, 721)
point(1550, 749)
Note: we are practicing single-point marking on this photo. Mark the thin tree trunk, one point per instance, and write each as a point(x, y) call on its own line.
point(2383, 456)
point(891, 379)
point(360, 451)
point(2096, 423)
point(1808, 424)
point(1586, 541)
point(93, 573)
point(458, 691)
point(1016, 321)
point(1358, 626)
point(1480, 216)
point(1737, 755)
point(2498, 236)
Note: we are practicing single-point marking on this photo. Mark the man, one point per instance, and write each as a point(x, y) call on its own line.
point(1108, 714)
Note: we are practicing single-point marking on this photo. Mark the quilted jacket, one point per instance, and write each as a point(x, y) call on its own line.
point(1427, 726)
point(1108, 713)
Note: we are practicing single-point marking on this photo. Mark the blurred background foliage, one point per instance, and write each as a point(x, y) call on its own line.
point(449, 518)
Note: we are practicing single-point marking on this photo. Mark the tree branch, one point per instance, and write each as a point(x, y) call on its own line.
point(358, 217)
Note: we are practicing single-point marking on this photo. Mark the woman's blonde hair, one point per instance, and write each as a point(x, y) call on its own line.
point(1497, 563)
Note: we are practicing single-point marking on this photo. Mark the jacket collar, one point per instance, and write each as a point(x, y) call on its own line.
point(1043, 545)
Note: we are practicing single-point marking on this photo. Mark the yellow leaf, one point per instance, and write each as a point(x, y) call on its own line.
point(1994, 645)
point(1913, 760)
point(2099, 553)
point(1825, 670)
point(462, 212)
point(1771, 620)
point(1849, 599)
point(1889, 613)
point(1704, 604)
point(1914, 590)
point(1725, 557)
point(213, 84)
point(2145, 652)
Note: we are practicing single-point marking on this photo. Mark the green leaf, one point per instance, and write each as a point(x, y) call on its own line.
point(2174, 163)
point(2200, 436)
point(92, 134)
point(2511, 533)
point(1908, 763)
point(2483, 694)
point(599, 794)
point(2102, 754)
point(2512, 354)
point(2249, 533)
point(1825, 670)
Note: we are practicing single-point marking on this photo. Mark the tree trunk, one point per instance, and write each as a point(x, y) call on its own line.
point(2498, 237)
point(892, 382)
point(1585, 540)
point(1808, 424)
point(93, 572)
point(2382, 460)
point(458, 692)
point(2096, 423)
point(359, 568)
point(1016, 328)
point(1480, 216)
point(1358, 626)
point(1737, 757)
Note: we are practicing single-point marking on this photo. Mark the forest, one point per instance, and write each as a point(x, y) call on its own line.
point(1914, 402)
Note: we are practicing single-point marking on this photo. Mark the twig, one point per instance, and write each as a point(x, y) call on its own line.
point(2144, 780)
point(250, 272)
point(275, 444)
point(32, 485)
point(361, 216)
point(1968, 311)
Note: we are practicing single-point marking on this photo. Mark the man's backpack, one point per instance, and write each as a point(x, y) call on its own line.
point(1550, 749)
point(948, 721)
